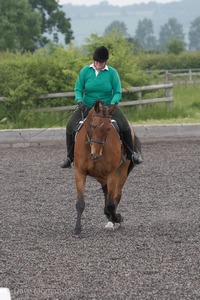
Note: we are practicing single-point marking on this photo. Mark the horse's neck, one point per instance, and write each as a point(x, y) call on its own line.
point(87, 122)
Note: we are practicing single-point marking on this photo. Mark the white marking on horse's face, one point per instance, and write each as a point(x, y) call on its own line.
point(101, 151)
point(96, 150)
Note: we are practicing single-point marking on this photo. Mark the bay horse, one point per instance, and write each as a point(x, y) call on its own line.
point(99, 153)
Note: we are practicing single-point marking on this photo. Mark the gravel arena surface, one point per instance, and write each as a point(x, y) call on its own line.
point(153, 255)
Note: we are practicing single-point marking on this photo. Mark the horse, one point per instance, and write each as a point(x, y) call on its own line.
point(99, 153)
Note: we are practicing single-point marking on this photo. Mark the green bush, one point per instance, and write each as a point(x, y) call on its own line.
point(23, 77)
point(164, 61)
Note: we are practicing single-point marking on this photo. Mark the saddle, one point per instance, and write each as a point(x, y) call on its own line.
point(80, 124)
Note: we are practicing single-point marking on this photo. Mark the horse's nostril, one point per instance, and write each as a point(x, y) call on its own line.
point(95, 157)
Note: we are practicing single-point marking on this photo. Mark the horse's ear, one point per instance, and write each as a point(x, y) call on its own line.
point(98, 106)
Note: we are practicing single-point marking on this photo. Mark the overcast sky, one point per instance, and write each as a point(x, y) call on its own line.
point(113, 2)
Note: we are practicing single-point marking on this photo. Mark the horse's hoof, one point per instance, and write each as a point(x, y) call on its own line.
point(119, 218)
point(77, 232)
point(110, 225)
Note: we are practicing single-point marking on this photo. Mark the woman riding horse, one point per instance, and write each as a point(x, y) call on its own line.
point(99, 81)
point(99, 153)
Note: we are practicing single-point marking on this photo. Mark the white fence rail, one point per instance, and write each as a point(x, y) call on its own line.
point(2, 99)
point(179, 77)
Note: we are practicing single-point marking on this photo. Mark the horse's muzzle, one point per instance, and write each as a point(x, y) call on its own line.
point(95, 157)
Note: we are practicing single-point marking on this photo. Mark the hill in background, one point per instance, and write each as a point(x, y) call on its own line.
point(86, 20)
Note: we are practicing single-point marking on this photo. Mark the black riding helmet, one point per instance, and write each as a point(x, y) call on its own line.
point(101, 54)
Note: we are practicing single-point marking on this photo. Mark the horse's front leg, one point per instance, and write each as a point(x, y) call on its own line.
point(80, 204)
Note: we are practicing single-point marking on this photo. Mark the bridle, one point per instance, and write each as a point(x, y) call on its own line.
point(90, 139)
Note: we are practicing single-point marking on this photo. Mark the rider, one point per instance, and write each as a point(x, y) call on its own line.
point(98, 81)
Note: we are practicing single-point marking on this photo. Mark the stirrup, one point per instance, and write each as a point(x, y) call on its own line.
point(136, 158)
point(66, 163)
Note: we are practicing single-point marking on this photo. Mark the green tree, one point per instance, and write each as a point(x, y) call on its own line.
point(54, 20)
point(171, 30)
point(20, 25)
point(119, 27)
point(175, 46)
point(25, 24)
point(145, 34)
point(194, 34)
point(135, 44)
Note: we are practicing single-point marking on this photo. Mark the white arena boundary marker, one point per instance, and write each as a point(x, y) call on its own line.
point(5, 294)
point(47, 136)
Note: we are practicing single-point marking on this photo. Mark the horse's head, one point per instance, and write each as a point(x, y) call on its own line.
point(100, 126)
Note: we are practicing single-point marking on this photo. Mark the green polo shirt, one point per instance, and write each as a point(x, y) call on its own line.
point(106, 86)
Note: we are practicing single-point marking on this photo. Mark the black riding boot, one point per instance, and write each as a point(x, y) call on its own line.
point(134, 156)
point(70, 151)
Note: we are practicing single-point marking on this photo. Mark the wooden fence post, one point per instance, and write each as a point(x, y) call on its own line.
point(190, 76)
point(169, 94)
point(167, 77)
point(140, 98)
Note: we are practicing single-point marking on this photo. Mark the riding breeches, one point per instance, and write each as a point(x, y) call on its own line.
point(117, 115)
point(120, 118)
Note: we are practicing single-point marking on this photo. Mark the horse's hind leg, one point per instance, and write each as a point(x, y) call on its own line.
point(108, 208)
point(111, 202)
point(110, 211)
point(105, 190)
point(80, 204)
point(114, 192)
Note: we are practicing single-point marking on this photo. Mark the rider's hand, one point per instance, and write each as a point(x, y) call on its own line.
point(111, 108)
point(82, 107)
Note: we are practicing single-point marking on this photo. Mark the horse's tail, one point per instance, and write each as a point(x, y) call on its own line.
point(136, 147)
point(137, 144)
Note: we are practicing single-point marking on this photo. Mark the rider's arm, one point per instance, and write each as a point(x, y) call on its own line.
point(117, 90)
point(80, 86)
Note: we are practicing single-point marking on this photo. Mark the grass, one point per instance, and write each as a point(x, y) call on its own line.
point(185, 109)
